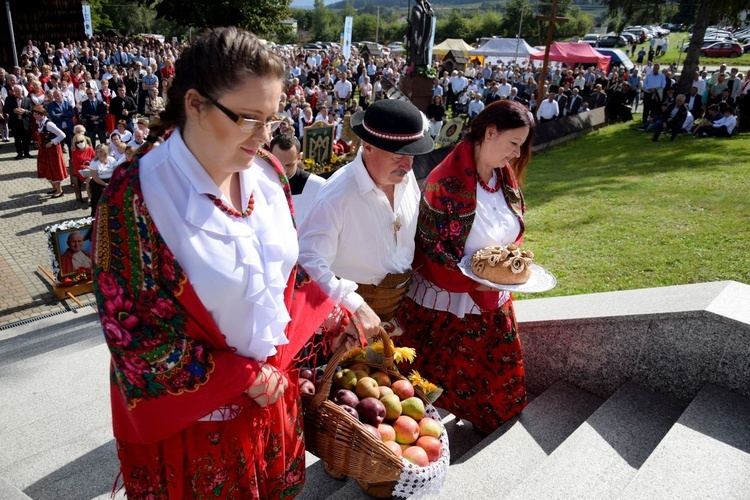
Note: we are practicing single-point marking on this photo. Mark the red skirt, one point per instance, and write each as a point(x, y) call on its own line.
point(258, 454)
point(50, 163)
point(109, 123)
point(476, 359)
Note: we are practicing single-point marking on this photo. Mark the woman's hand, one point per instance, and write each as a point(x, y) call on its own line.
point(268, 386)
point(48, 145)
point(369, 322)
point(348, 337)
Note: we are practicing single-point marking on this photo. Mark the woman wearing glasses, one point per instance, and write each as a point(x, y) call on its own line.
point(195, 281)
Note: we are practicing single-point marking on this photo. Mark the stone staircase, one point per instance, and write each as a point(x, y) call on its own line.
point(643, 394)
point(656, 419)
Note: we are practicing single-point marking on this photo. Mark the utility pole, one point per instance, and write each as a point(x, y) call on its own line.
point(377, 25)
point(550, 31)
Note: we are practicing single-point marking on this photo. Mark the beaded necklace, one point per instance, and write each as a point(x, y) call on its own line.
point(230, 210)
point(485, 186)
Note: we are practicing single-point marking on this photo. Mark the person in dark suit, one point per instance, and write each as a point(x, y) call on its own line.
point(694, 103)
point(598, 98)
point(93, 112)
point(123, 107)
point(562, 102)
point(61, 113)
point(673, 119)
point(18, 110)
point(574, 102)
point(619, 106)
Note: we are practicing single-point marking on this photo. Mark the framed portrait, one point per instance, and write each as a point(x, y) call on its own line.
point(69, 243)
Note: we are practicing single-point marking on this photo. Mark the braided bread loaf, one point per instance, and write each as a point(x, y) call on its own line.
point(504, 265)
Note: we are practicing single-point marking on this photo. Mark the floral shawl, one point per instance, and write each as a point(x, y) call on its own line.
point(171, 365)
point(446, 214)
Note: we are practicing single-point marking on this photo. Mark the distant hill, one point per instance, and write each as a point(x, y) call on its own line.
point(358, 4)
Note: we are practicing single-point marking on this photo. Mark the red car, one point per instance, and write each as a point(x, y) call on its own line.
point(722, 49)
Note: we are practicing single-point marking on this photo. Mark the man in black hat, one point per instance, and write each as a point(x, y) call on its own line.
point(359, 234)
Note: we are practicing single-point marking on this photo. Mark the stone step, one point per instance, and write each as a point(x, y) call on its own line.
point(504, 458)
point(705, 455)
point(601, 457)
point(10, 492)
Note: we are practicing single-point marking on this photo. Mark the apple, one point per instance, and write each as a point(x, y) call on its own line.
point(431, 445)
point(371, 411)
point(307, 374)
point(429, 427)
point(384, 391)
point(403, 447)
point(360, 374)
point(394, 447)
point(306, 387)
point(345, 379)
point(417, 456)
point(407, 430)
point(361, 366)
point(382, 378)
point(345, 397)
point(403, 389)
point(387, 432)
point(367, 388)
point(374, 431)
point(413, 407)
point(392, 406)
point(319, 374)
point(351, 411)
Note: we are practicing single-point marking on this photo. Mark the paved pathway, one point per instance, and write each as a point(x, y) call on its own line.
point(25, 210)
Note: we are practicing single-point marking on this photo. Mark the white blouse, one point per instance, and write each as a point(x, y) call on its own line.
point(104, 170)
point(238, 266)
point(494, 224)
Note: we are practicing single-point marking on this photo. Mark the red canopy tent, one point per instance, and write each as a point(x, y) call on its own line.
point(574, 53)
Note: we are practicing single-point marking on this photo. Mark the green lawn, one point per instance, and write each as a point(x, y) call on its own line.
point(614, 211)
point(676, 40)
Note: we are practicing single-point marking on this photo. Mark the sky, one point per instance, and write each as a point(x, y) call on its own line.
point(307, 4)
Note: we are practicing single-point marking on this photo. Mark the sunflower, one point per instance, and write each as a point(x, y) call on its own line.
point(423, 384)
point(356, 354)
point(399, 353)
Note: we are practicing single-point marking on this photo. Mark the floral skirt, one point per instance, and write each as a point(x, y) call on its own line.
point(257, 454)
point(476, 359)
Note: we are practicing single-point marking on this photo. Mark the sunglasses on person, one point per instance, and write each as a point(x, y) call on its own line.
point(247, 125)
point(80, 142)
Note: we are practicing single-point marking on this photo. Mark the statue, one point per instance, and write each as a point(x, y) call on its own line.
point(419, 31)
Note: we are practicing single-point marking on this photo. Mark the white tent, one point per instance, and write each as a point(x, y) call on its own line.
point(503, 49)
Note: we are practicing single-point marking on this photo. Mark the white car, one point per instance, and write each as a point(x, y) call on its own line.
point(396, 47)
point(592, 39)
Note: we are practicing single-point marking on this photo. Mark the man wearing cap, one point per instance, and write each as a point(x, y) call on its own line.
point(357, 242)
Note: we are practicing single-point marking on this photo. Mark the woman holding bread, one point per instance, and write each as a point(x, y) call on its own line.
point(464, 332)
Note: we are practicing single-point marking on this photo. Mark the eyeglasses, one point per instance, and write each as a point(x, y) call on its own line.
point(247, 125)
point(80, 142)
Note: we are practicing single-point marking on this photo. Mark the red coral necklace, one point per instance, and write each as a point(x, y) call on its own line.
point(485, 186)
point(230, 210)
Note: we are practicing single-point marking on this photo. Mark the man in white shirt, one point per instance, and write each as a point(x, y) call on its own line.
point(548, 109)
point(304, 185)
point(476, 106)
point(503, 90)
point(343, 88)
point(361, 236)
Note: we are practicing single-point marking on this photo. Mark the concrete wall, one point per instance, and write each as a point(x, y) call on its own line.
point(672, 340)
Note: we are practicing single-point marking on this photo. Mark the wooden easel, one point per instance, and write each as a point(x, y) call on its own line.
point(69, 292)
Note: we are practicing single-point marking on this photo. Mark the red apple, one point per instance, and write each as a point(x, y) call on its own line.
point(307, 374)
point(351, 411)
point(431, 445)
point(372, 411)
point(403, 389)
point(417, 456)
point(345, 397)
point(306, 387)
point(382, 378)
point(384, 391)
point(429, 427)
point(394, 447)
point(374, 431)
point(407, 430)
point(387, 432)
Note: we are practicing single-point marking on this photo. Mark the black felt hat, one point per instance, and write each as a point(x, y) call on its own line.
point(393, 125)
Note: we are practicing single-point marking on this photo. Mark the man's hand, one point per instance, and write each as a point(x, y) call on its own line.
point(369, 322)
point(268, 386)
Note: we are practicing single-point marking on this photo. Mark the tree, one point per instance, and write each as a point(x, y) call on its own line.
point(320, 21)
point(364, 27)
point(515, 10)
point(703, 14)
point(455, 26)
point(258, 16)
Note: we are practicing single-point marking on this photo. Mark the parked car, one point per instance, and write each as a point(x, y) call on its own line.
point(396, 47)
point(722, 49)
point(641, 33)
point(612, 41)
point(706, 43)
point(592, 39)
point(312, 46)
point(746, 49)
point(630, 37)
point(672, 27)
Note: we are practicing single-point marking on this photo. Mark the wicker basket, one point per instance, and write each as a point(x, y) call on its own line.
point(342, 442)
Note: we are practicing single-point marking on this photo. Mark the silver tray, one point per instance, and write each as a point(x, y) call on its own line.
point(540, 280)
